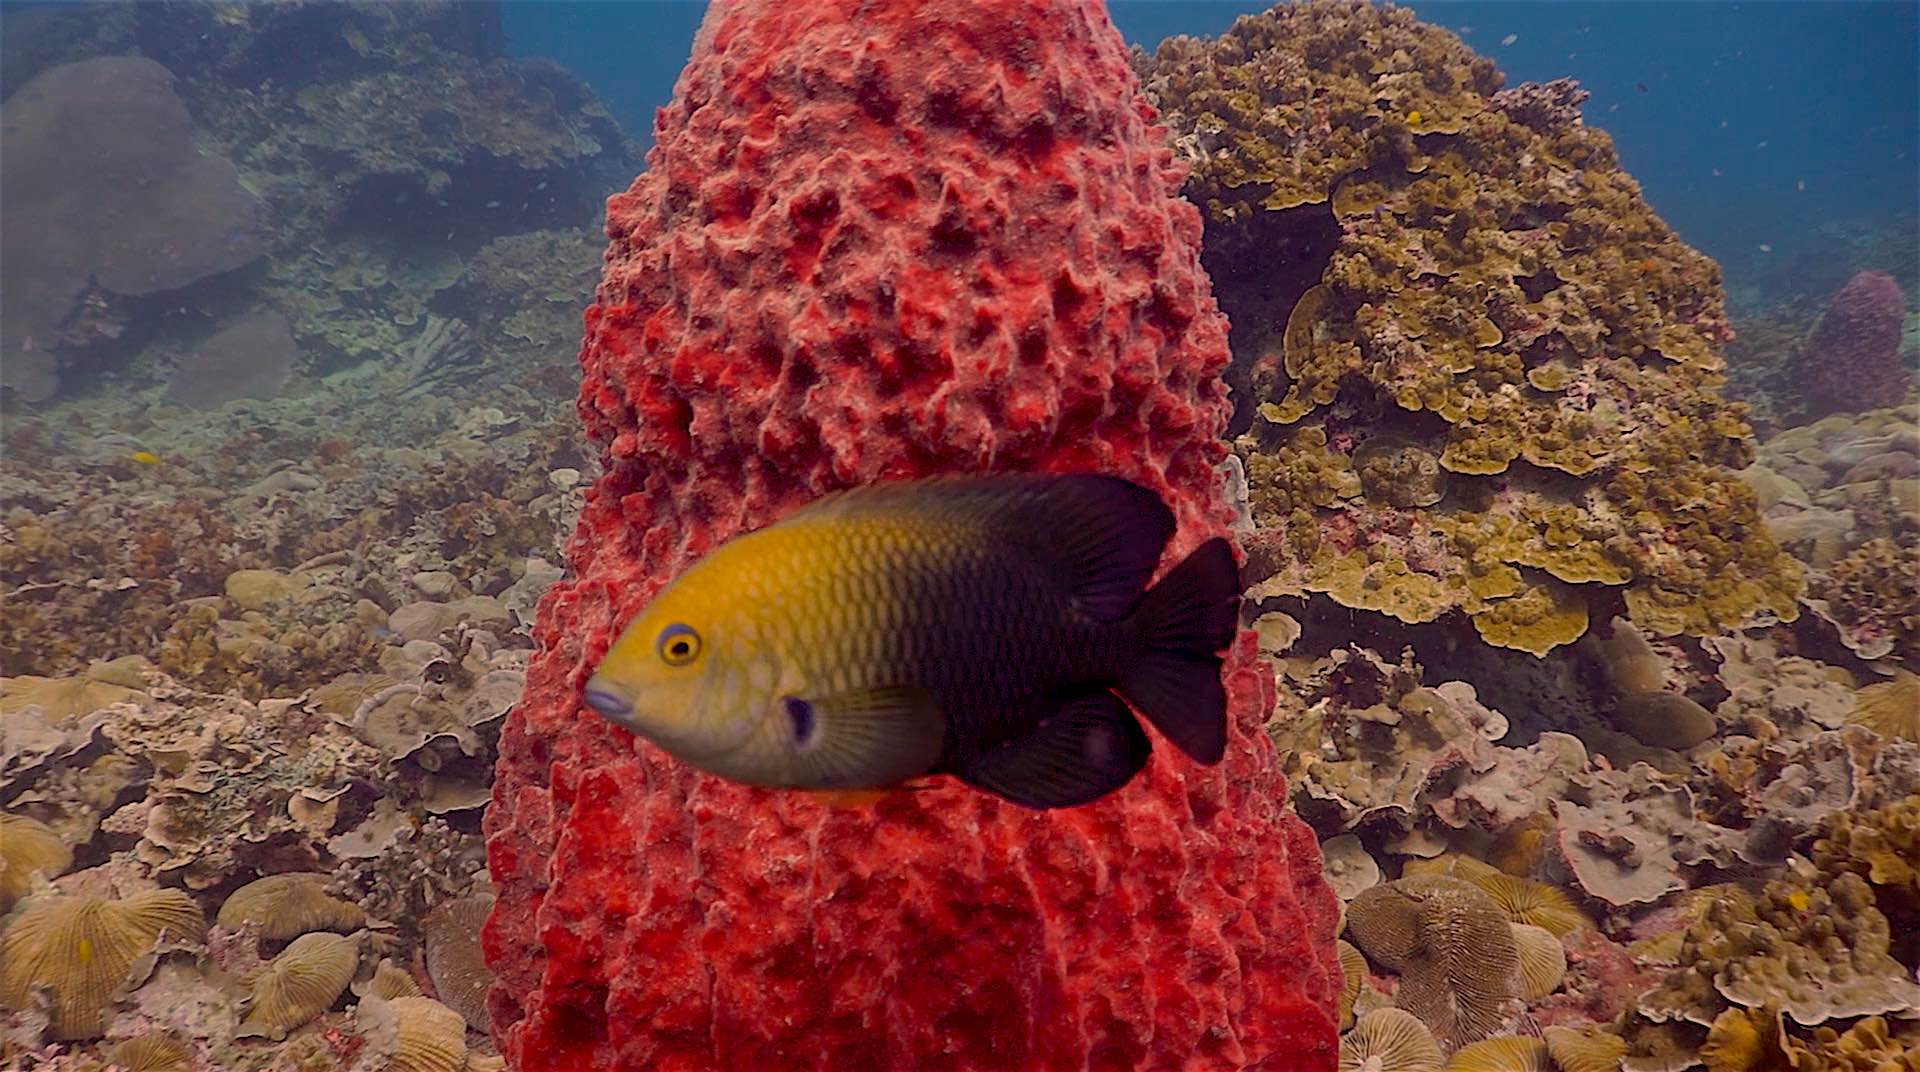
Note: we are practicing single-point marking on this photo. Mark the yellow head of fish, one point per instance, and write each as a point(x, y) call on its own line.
point(145, 457)
point(705, 672)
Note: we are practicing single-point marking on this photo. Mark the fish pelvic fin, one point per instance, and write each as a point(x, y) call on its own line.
point(1186, 620)
point(1089, 747)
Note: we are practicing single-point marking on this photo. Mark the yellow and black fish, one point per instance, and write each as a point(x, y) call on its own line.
point(975, 626)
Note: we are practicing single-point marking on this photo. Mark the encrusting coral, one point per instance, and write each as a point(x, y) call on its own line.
point(1486, 372)
point(1882, 847)
point(1815, 952)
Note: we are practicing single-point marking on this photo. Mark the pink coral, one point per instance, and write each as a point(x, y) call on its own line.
point(1852, 361)
point(879, 240)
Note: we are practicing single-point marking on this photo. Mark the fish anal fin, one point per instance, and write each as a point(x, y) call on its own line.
point(1089, 747)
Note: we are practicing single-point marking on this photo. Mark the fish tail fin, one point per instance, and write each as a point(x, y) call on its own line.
point(1185, 621)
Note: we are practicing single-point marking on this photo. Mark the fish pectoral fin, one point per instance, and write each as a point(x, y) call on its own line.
point(1089, 747)
point(865, 738)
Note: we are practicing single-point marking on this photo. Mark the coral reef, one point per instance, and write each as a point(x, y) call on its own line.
point(385, 158)
point(1852, 360)
point(1439, 426)
point(1013, 286)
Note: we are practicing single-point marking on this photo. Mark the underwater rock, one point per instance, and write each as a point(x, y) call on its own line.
point(252, 356)
point(103, 184)
point(929, 237)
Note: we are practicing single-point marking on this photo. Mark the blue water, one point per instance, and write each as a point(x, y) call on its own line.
point(1748, 124)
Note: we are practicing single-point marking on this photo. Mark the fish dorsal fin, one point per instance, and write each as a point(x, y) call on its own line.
point(1086, 749)
point(1103, 534)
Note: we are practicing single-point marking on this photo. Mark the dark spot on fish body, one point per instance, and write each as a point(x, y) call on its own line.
point(800, 714)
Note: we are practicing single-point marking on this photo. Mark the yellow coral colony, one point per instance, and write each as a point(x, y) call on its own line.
point(78, 949)
point(1466, 415)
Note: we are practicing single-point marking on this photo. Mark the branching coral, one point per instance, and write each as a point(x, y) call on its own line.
point(1489, 371)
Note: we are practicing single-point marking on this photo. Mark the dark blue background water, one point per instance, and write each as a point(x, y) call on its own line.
point(1809, 113)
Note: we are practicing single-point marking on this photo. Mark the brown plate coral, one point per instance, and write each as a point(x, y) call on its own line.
point(1486, 378)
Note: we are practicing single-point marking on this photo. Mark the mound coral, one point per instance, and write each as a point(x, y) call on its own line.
point(301, 983)
point(103, 183)
point(1389, 1040)
point(1852, 360)
point(1457, 955)
point(78, 949)
point(877, 241)
point(1485, 373)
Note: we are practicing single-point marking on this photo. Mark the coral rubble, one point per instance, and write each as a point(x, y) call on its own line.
point(934, 237)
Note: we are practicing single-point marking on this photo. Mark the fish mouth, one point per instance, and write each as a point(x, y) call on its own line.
point(619, 706)
point(611, 701)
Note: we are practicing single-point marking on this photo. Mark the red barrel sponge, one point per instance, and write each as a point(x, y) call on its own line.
point(1852, 361)
point(881, 239)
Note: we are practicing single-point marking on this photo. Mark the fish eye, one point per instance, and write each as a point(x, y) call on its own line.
point(678, 644)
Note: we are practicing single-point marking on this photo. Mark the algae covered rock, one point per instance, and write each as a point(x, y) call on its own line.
point(1484, 379)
